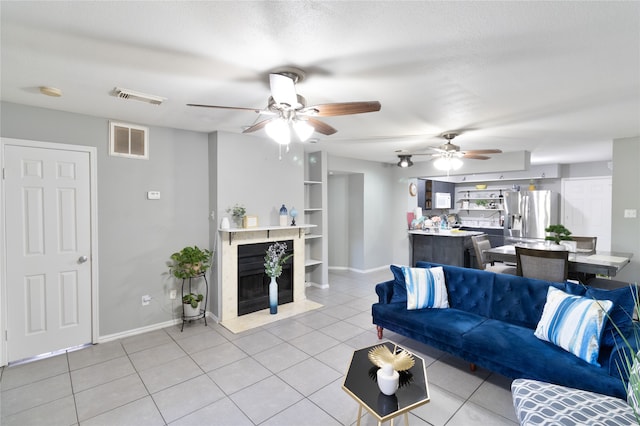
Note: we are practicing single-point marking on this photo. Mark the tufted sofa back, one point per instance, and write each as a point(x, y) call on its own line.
point(503, 297)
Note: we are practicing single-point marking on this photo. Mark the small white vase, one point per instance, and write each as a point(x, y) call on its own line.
point(224, 224)
point(388, 379)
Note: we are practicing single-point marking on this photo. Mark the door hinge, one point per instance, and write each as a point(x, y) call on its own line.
point(6, 335)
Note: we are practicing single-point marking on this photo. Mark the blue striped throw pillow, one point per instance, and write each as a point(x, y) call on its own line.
point(425, 288)
point(573, 323)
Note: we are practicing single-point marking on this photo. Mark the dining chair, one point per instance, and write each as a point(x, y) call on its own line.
point(548, 265)
point(585, 244)
point(482, 243)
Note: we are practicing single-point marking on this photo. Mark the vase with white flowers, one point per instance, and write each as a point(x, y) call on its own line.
point(274, 258)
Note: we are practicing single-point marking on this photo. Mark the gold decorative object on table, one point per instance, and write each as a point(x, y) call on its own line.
point(400, 361)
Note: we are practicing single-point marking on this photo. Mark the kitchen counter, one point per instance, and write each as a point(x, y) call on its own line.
point(445, 232)
point(432, 246)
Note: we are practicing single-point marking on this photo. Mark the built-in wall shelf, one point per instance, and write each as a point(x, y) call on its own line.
point(315, 204)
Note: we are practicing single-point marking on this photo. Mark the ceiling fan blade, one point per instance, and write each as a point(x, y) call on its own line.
point(342, 108)
point(321, 127)
point(283, 89)
point(475, 156)
point(483, 151)
point(227, 107)
point(259, 125)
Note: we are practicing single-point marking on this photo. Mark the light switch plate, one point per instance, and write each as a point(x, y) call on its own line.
point(630, 213)
point(153, 195)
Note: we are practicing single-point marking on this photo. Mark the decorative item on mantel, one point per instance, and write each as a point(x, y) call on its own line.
point(237, 213)
point(283, 215)
point(293, 213)
point(273, 261)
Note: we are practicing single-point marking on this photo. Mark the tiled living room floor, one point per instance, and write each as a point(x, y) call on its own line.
point(289, 372)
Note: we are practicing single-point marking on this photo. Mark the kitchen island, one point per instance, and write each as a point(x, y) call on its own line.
point(449, 247)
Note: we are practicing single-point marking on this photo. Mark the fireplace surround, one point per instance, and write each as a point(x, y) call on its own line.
point(229, 242)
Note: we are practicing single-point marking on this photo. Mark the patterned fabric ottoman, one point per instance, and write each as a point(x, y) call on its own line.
point(540, 403)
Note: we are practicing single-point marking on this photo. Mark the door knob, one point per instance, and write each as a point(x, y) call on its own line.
point(82, 259)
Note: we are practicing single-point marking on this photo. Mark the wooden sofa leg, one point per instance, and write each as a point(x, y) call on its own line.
point(472, 367)
point(379, 332)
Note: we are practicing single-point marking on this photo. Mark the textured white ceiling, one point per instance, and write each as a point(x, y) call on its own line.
point(560, 79)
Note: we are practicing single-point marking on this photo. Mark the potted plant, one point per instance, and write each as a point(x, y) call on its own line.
point(558, 233)
point(237, 213)
point(191, 303)
point(190, 262)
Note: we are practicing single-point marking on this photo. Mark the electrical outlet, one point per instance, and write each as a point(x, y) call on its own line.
point(173, 294)
point(146, 299)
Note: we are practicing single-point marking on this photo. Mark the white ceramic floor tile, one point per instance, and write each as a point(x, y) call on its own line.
point(108, 396)
point(471, 414)
point(280, 357)
point(35, 394)
point(303, 413)
point(258, 342)
point(221, 413)
point(309, 376)
point(218, 356)
point(59, 412)
point(441, 407)
point(333, 399)
point(495, 395)
point(98, 374)
point(187, 397)
point(140, 412)
point(145, 341)
point(238, 375)
point(170, 374)
point(95, 354)
point(314, 343)
point(157, 355)
point(200, 341)
point(34, 371)
point(265, 399)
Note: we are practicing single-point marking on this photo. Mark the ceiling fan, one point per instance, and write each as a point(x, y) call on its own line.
point(289, 110)
point(448, 156)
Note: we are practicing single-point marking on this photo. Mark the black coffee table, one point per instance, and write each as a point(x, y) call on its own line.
point(360, 383)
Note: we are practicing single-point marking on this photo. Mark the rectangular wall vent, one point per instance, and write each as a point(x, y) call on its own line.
point(137, 96)
point(128, 140)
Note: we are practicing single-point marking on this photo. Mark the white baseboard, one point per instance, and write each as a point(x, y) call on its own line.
point(146, 329)
point(360, 271)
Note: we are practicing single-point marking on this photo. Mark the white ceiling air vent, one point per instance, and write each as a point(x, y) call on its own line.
point(137, 96)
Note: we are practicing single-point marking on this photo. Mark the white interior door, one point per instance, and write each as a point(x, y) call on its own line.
point(586, 208)
point(48, 249)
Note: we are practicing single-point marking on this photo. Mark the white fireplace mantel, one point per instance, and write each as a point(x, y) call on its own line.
point(234, 237)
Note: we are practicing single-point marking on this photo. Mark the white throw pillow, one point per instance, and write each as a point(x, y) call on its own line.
point(573, 323)
point(425, 288)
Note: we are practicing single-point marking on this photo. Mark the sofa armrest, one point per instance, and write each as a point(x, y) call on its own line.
point(384, 291)
point(623, 352)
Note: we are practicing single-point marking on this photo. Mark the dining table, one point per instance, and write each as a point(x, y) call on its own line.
point(604, 263)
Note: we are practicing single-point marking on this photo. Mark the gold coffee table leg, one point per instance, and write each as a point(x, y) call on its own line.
point(359, 414)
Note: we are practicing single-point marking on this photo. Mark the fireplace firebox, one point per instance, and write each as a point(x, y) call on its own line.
point(253, 283)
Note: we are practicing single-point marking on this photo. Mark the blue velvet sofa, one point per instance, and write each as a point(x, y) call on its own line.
point(491, 322)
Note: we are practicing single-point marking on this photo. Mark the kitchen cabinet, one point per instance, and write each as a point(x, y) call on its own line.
point(427, 188)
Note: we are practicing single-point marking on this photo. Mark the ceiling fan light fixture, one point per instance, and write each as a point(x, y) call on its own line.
point(447, 163)
point(405, 161)
point(303, 129)
point(278, 130)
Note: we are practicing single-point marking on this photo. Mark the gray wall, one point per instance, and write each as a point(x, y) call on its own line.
point(248, 170)
point(369, 245)
point(136, 236)
point(625, 232)
point(338, 224)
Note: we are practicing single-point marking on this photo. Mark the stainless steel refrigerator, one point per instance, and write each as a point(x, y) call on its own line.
point(528, 213)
